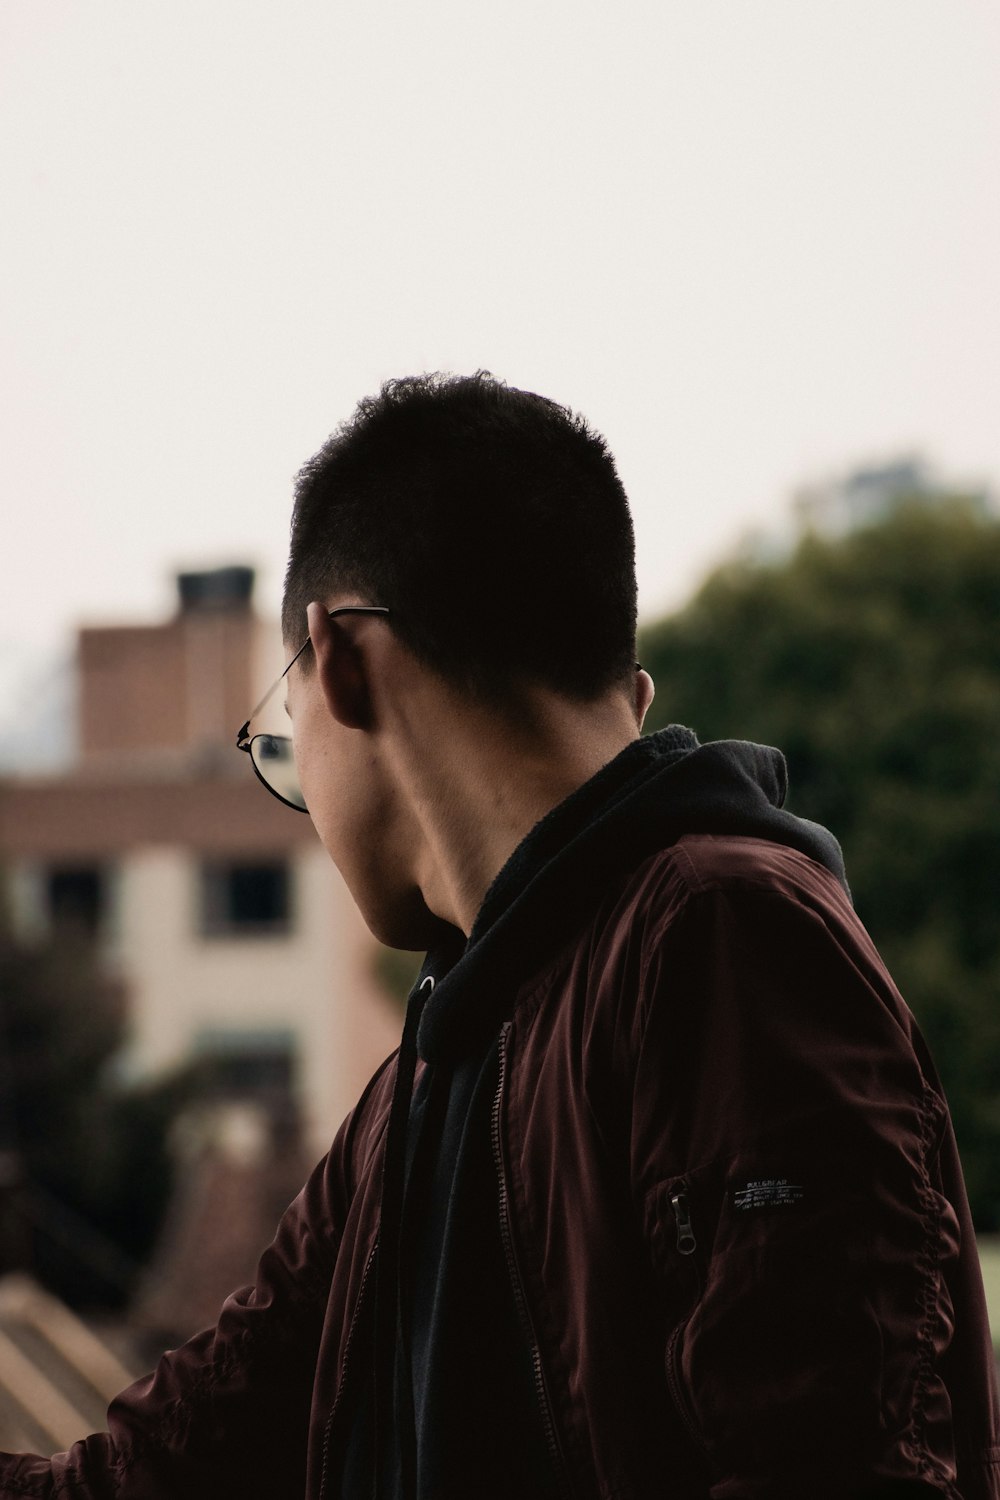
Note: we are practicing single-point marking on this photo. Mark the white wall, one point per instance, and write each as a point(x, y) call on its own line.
point(313, 980)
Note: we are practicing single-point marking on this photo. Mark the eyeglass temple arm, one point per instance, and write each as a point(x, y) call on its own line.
point(243, 734)
point(341, 609)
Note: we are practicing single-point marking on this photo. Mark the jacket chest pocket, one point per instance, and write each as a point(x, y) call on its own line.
point(680, 1217)
point(681, 1214)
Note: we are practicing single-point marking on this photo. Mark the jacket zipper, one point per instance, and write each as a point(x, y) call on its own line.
point(524, 1312)
point(328, 1430)
point(426, 983)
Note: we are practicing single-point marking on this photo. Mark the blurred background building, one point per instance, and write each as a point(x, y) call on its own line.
point(216, 907)
point(193, 1001)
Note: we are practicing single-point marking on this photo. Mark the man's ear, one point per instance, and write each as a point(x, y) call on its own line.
point(645, 692)
point(341, 667)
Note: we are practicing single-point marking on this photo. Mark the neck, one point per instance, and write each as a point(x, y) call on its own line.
point(481, 781)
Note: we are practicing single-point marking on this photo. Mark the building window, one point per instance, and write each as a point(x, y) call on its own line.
point(75, 899)
point(243, 899)
point(248, 1064)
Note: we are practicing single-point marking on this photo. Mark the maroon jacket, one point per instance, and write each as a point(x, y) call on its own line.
point(732, 1203)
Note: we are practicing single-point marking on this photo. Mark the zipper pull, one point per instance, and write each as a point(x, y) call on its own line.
point(686, 1242)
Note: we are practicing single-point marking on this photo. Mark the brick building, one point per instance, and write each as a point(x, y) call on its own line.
point(218, 908)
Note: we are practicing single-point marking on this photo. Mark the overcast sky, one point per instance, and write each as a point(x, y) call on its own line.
point(752, 240)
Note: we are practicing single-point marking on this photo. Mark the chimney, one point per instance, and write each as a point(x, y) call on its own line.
point(218, 589)
point(183, 686)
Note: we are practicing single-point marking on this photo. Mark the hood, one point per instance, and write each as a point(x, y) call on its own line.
point(655, 791)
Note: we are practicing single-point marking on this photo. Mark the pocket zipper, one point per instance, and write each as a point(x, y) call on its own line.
point(686, 1245)
point(686, 1242)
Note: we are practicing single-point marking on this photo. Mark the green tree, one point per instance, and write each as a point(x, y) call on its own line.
point(873, 660)
point(84, 1168)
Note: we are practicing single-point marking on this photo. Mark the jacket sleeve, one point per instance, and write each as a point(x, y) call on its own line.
point(784, 1143)
point(227, 1413)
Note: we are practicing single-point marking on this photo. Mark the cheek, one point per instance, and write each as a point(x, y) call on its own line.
point(317, 760)
point(310, 784)
point(354, 813)
point(344, 799)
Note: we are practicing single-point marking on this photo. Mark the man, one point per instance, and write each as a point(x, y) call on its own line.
point(660, 1195)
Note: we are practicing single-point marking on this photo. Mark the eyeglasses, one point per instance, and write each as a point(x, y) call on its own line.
point(271, 754)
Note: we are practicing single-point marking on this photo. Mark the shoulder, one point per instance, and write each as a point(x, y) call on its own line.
point(734, 863)
point(684, 905)
point(727, 867)
point(669, 898)
point(713, 903)
point(762, 929)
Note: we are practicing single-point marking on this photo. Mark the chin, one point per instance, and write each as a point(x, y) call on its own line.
point(403, 920)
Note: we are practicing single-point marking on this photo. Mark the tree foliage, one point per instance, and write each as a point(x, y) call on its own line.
point(873, 660)
point(84, 1168)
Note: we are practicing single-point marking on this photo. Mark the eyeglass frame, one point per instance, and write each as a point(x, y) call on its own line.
point(244, 740)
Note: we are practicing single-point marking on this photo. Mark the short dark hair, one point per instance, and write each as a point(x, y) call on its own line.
point(491, 522)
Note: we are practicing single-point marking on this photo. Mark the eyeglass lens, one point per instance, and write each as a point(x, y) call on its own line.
point(275, 765)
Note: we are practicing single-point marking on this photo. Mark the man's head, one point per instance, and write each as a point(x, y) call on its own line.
point(489, 520)
point(491, 524)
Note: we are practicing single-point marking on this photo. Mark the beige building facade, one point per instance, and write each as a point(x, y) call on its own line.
point(217, 907)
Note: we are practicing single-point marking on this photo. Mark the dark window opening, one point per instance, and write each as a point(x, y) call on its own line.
point(245, 899)
point(253, 1065)
point(267, 1072)
point(75, 898)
